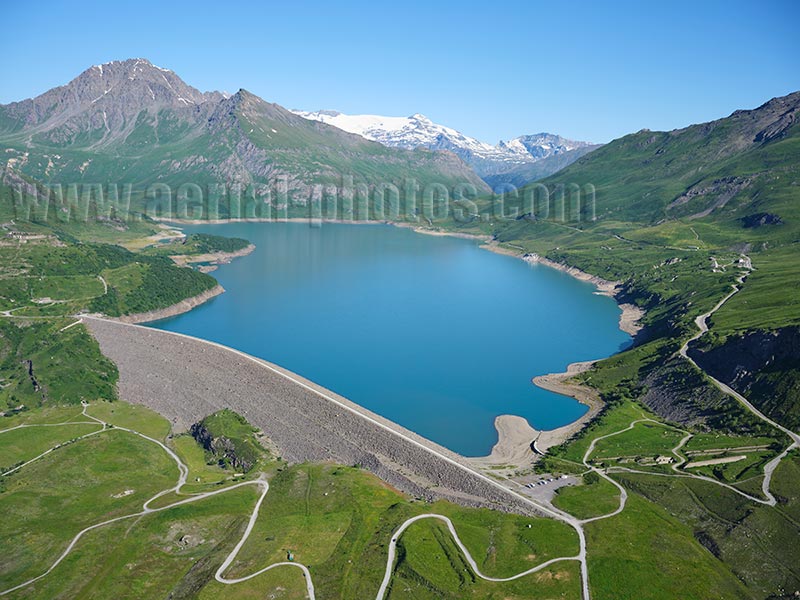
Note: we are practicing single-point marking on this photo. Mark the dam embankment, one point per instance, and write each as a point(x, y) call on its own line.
point(185, 379)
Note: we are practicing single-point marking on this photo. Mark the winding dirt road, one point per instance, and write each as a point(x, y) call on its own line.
point(183, 472)
point(702, 326)
point(387, 577)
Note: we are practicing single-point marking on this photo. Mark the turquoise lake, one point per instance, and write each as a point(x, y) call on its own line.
point(431, 332)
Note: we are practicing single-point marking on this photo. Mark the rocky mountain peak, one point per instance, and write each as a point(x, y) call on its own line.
point(541, 145)
point(132, 76)
point(104, 101)
point(152, 126)
point(420, 118)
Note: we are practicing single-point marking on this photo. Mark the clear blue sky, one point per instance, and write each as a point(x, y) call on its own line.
point(490, 69)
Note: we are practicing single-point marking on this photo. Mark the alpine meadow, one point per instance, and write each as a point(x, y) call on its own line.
point(315, 350)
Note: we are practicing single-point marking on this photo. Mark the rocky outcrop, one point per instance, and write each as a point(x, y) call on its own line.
point(223, 448)
point(780, 126)
point(679, 393)
point(34, 381)
point(760, 219)
point(212, 259)
point(105, 99)
point(716, 193)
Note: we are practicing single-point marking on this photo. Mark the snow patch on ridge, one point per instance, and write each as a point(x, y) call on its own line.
point(419, 131)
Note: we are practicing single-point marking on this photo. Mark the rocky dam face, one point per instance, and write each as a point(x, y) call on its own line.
point(186, 379)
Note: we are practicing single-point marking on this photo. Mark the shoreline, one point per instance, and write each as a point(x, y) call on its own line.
point(518, 442)
point(515, 437)
point(178, 308)
point(629, 318)
point(213, 258)
point(267, 220)
point(630, 315)
point(563, 384)
point(184, 260)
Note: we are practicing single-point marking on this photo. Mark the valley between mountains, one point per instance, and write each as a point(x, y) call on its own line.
point(143, 463)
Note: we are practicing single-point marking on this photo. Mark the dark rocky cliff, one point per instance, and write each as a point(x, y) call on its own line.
point(678, 392)
point(763, 366)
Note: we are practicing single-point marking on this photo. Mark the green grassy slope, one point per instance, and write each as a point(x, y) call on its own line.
point(39, 364)
point(641, 178)
point(337, 520)
point(670, 206)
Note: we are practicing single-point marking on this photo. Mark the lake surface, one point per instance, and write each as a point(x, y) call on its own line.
point(431, 332)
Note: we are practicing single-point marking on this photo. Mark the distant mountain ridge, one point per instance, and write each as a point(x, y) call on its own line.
point(713, 168)
point(507, 162)
point(143, 124)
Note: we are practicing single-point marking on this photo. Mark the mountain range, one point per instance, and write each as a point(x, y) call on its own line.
point(145, 125)
point(517, 161)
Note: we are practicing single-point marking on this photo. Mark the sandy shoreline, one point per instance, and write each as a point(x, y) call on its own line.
point(513, 448)
point(519, 445)
point(561, 383)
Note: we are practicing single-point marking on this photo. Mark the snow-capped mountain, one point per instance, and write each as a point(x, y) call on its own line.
point(146, 124)
point(490, 162)
point(405, 132)
point(539, 145)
